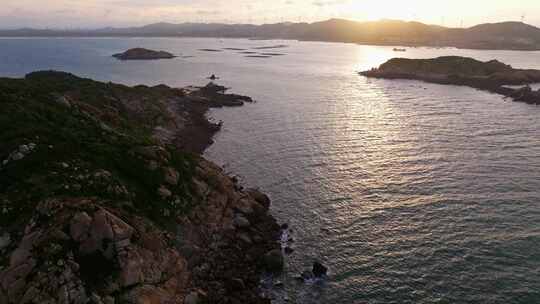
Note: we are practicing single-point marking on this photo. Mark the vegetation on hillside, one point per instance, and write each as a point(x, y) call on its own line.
point(67, 136)
point(449, 65)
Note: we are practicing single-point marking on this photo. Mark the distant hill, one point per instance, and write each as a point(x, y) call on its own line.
point(505, 35)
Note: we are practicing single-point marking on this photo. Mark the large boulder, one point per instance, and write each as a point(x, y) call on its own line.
point(79, 226)
point(260, 197)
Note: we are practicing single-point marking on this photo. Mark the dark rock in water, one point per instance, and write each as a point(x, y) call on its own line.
point(278, 284)
point(143, 54)
point(213, 88)
point(284, 226)
point(306, 275)
point(273, 261)
point(319, 270)
point(288, 250)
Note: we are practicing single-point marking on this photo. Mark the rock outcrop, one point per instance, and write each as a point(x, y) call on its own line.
point(492, 76)
point(85, 253)
point(101, 207)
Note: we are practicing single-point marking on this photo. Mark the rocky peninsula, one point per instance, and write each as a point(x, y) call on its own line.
point(143, 54)
point(104, 198)
point(492, 76)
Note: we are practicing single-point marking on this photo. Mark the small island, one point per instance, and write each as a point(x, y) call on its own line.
point(143, 54)
point(492, 76)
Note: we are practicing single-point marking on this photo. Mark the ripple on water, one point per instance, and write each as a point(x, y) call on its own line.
point(409, 192)
point(427, 194)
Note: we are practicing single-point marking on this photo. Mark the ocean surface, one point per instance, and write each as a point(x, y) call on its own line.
point(409, 192)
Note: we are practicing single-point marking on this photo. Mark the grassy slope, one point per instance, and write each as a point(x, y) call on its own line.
point(96, 134)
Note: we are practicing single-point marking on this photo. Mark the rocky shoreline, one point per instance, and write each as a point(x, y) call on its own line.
point(492, 76)
point(104, 198)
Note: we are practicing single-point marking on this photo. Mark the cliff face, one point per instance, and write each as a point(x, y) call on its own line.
point(102, 199)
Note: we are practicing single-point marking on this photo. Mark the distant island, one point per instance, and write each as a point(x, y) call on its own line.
point(496, 36)
point(493, 76)
point(143, 54)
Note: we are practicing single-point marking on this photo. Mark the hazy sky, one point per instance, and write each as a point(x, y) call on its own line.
point(98, 13)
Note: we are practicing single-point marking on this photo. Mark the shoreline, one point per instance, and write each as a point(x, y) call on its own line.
point(389, 45)
point(106, 198)
point(432, 71)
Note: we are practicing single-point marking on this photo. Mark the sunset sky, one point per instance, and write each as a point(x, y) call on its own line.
point(99, 13)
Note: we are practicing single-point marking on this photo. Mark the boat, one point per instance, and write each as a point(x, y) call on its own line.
point(399, 50)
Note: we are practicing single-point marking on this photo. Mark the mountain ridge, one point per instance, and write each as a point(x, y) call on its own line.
point(508, 35)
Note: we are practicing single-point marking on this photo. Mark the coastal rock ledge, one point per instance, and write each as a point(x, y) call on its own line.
point(492, 76)
point(143, 54)
point(111, 202)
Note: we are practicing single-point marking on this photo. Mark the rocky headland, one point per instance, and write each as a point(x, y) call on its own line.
point(492, 76)
point(143, 54)
point(104, 198)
